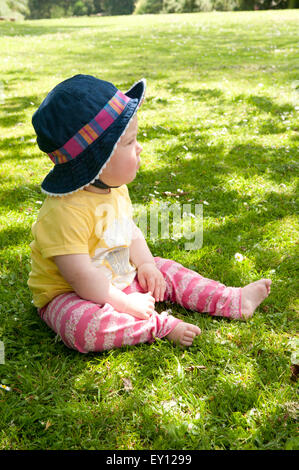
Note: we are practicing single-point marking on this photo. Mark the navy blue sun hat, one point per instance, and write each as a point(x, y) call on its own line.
point(78, 125)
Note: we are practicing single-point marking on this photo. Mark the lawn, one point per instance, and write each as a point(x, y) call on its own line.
point(220, 123)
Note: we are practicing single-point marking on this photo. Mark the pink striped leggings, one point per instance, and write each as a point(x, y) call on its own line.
point(86, 326)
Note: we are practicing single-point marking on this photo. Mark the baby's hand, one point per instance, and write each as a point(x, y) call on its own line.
point(140, 305)
point(151, 279)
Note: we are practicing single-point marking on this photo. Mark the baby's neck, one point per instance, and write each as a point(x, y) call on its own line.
point(93, 189)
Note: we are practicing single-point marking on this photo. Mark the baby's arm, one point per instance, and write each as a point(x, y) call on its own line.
point(139, 250)
point(91, 283)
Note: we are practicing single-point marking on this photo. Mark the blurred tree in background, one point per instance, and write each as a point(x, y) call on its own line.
point(57, 8)
point(118, 7)
point(184, 6)
point(34, 9)
point(14, 8)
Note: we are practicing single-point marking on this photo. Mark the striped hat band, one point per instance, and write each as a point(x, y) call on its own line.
point(91, 131)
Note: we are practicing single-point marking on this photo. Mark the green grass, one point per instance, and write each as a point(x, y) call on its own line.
point(221, 115)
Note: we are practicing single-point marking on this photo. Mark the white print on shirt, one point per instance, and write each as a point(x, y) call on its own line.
point(115, 231)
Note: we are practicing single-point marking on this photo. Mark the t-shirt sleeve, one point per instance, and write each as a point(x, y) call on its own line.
point(63, 230)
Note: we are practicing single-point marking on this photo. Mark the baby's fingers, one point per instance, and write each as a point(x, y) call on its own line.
point(142, 282)
point(159, 292)
point(151, 286)
point(162, 292)
point(156, 290)
point(143, 315)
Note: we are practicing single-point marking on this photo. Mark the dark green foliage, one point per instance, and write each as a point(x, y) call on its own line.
point(189, 6)
point(117, 7)
point(34, 9)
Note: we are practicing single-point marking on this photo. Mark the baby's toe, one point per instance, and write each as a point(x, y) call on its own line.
point(268, 283)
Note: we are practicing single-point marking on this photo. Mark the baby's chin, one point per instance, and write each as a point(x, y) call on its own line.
point(130, 178)
point(123, 181)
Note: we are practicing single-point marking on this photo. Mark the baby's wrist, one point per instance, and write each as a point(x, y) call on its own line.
point(118, 299)
point(146, 262)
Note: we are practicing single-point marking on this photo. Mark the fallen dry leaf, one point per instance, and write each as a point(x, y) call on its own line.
point(294, 371)
point(168, 193)
point(48, 424)
point(127, 384)
point(30, 397)
point(191, 368)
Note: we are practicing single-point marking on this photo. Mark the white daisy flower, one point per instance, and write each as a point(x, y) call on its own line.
point(239, 257)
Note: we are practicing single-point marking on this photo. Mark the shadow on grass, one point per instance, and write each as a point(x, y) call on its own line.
point(16, 149)
point(264, 104)
point(247, 159)
point(35, 29)
point(19, 195)
point(13, 109)
point(201, 94)
point(127, 48)
point(13, 236)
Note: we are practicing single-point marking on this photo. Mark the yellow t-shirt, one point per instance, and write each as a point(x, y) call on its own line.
point(83, 222)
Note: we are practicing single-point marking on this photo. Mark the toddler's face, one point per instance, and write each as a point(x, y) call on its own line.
point(124, 163)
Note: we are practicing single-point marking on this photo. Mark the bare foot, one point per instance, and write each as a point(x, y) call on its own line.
point(184, 334)
point(253, 295)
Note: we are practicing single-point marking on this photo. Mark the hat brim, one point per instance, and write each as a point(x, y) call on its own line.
point(66, 178)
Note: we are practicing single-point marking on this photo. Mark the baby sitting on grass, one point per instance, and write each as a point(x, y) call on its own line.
point(93, 278)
